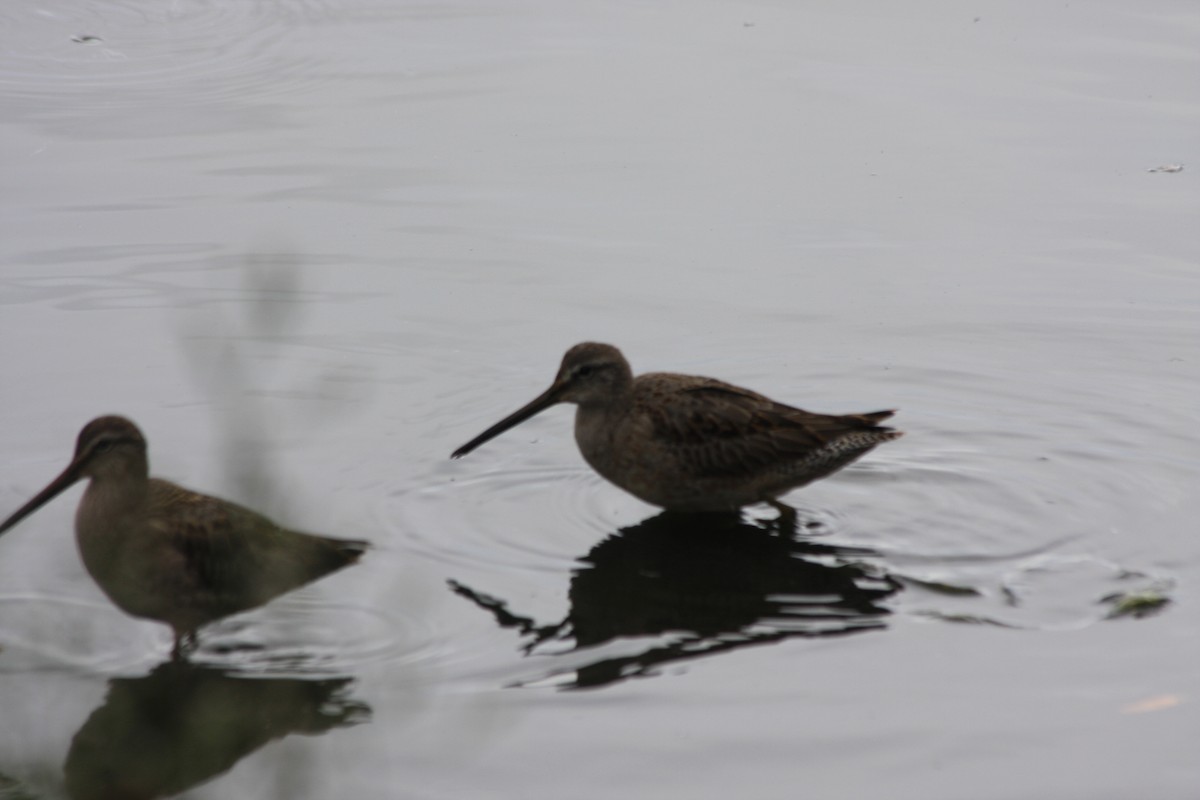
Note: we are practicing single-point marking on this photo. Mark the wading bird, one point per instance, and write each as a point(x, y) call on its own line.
point(688, 443)
point(162, 552)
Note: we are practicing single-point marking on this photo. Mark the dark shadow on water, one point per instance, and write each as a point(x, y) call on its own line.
point(182, 724)
point(699, 585)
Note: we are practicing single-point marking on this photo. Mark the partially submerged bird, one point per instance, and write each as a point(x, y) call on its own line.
point(162, 552)
point(687, 443)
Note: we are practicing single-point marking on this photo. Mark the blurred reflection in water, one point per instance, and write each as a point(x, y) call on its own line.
point(702, 584)
point(12, 789)
point(183, 724)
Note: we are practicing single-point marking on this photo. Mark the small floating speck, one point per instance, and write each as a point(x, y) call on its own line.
point(1167, 168)
point(942, 587)
point(1157, 703)
point(965, 619)
point(86, 39)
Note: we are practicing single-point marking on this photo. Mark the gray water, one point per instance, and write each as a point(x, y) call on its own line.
point(312, 247)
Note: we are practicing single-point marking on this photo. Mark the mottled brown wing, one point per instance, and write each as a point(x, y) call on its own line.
point(239, 559)
point(725, 430)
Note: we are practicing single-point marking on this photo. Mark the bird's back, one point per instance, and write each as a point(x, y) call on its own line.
point(731, 430)
point(689, 442)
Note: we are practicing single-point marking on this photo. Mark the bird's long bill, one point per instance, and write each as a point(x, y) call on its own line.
point(535, 406)
point(70, 475)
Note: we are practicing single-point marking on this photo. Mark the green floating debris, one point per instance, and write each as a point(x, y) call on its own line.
point(1135, 604)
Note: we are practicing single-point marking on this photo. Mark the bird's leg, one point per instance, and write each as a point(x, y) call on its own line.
point(185, 643)
point(787, 520)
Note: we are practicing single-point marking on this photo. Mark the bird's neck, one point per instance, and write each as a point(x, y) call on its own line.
point(110, 498)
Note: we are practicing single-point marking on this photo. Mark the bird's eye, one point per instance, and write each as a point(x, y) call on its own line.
point(584, 371)
point(103, 446)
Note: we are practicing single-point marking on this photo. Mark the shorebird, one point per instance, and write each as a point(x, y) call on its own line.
point(166, 553)
point(688, 443)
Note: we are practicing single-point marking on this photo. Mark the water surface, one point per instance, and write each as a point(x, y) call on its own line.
point(313, 247)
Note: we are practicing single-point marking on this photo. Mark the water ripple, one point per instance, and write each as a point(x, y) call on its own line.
point(118, 54)
point(294, 635)
point(999, 461)
point(302, 635)
point(50, 633)
point(526, 519)
point(999, 470)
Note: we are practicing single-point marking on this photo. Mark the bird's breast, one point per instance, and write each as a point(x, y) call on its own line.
point(624, 449)
point(107, 518)
point(594, 434)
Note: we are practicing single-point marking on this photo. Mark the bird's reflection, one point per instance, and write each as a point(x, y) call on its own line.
point(182, 724)
point(701, 584)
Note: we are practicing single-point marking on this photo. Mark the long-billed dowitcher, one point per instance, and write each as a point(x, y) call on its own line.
point(687, 443)
point(162, 552)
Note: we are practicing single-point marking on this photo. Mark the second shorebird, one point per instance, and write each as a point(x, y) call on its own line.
point(165, 553)
point(688, 443)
